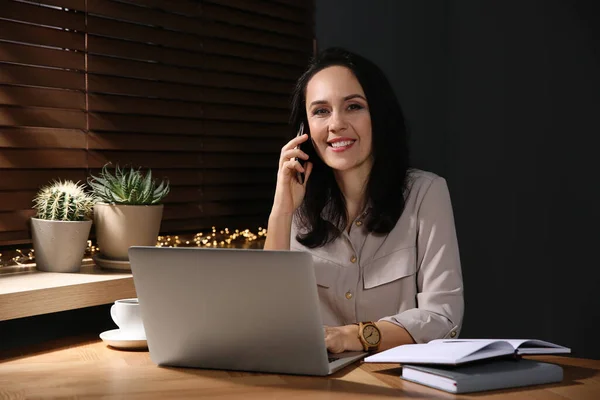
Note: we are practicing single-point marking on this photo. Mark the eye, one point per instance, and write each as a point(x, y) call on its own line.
point(355, 106)
point(319, 111)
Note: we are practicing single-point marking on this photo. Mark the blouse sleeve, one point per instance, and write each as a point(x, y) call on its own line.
point(440, 302)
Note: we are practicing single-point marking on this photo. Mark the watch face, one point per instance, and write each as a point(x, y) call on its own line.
point(371, 335)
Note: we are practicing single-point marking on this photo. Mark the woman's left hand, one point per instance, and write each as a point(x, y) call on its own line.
point(342, 338)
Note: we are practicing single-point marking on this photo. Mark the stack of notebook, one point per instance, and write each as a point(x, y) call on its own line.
point(473, 365)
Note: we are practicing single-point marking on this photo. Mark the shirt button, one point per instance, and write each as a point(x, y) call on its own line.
point(453, 334)
point(348, 295)
point(358, 223)
point(353, 259)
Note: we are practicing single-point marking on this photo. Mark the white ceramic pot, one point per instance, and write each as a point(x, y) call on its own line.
point(119, 227)
point(59, 245)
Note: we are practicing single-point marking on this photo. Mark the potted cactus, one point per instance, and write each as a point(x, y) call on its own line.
point(62, 226)
point(128, 212)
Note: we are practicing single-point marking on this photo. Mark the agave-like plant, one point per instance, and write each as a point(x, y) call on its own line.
point(127, 186)
point(63, 201)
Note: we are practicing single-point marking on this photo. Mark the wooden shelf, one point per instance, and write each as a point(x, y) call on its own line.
point(24, 294)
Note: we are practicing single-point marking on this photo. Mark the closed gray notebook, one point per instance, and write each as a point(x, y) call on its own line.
point(481, 376)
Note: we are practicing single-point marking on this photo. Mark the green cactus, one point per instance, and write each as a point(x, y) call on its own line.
point(129, 187)
point(63, 201)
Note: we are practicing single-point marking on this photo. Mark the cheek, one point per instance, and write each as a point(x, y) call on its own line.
point(366, 133)
point(318, 130)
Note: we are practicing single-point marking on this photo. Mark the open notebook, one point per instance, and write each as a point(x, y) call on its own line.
point(460, 351)
point(521, 346)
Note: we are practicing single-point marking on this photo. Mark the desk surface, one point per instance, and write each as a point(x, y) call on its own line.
point(87, 368)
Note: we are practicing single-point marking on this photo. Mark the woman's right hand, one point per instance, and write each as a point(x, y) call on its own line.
point(289, 192)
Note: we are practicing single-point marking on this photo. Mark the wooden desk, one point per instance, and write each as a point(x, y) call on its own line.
point(86, 368)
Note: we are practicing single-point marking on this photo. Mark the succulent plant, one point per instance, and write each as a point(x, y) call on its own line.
point(127, 186)
point(63, 201)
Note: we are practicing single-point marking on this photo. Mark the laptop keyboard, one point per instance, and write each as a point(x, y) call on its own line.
point(332, 359)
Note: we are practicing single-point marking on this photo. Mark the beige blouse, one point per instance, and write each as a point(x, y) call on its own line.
point(410, 277)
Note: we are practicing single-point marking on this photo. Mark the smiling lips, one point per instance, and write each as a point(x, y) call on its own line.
point(341, 144)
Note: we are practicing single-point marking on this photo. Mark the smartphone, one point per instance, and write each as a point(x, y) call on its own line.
point(300, 175)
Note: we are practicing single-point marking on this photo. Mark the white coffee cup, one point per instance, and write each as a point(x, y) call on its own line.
point(126, 314)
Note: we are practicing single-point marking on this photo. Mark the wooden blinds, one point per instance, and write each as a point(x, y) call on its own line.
point(196, 90)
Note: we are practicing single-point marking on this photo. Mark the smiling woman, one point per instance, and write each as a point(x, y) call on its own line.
point(381, 234)
point(340, 123)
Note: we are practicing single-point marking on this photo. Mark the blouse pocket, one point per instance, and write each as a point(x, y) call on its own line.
point(326, 275)
point(390, 267)
point(326, 272)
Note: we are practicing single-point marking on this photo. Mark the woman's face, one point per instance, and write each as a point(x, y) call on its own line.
point(339, 119)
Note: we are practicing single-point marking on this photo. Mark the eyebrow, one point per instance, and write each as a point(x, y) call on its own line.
point(349, 97)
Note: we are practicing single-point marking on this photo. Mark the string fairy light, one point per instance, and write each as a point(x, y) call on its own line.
point(214, 238)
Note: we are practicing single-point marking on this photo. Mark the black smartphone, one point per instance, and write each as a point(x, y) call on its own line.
point(300, 175)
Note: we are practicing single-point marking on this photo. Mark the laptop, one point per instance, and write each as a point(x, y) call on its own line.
point(233, 309)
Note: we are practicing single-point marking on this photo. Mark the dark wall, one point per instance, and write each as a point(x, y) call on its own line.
point(503, 100)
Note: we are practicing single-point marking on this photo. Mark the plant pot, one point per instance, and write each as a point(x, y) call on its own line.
point(118, 227)
point(59, 245)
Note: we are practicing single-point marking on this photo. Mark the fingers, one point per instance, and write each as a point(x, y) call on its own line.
point(291, 154)
point(295, 142)
point(308, 167)
point(288, 163)
point(333, 341)
point(329, 340)
point(328, 344)
point(292, 146)
point(291, 166)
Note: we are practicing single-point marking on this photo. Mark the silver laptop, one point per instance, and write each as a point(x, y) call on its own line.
point(233, 309)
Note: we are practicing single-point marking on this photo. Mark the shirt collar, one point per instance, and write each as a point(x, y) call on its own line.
point(326, 212)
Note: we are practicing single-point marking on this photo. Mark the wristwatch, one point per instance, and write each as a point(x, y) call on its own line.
point(369, 335)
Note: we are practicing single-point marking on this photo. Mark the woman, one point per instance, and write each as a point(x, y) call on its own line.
point(381, 234)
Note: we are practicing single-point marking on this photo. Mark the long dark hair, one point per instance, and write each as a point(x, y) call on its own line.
point(387, 182)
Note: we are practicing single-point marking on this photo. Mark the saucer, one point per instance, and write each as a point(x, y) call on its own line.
point(111, 264)
point(122, 340)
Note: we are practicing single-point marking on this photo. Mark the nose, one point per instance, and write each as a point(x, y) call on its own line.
point(337, 122)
